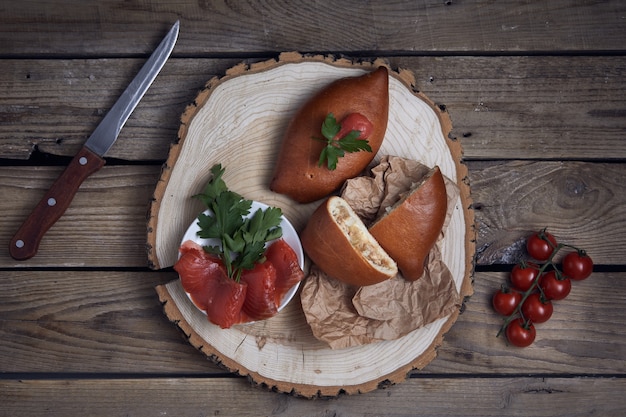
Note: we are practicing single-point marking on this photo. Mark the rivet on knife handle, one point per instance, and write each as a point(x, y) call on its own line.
point(25, 243)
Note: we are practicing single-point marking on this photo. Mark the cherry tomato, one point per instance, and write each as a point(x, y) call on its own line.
point(521, 333)
point(577, 265)
point(537, 310)
point(553, 287)
point(505, 301)
point(540, 245)
point(523, 275)
point(358, 122)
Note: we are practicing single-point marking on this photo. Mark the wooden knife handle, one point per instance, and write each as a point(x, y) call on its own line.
point(25, 243)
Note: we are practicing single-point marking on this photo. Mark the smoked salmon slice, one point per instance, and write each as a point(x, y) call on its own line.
point(196, 269)
point(260, 302)
point(204, 278)
point(227, 302)
point(288, 271)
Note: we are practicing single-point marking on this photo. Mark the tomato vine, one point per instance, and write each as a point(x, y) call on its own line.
point(537, 284)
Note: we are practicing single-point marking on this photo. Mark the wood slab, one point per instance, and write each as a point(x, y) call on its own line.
point(238, 120)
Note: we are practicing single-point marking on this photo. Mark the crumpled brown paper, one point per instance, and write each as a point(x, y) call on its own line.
point(343, 315)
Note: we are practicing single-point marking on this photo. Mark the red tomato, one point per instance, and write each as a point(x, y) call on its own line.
point(537, 310)
point(358, 122)
point(553, 287)
point(505, 301)
point(577, 265)
point(520, 333)
point(540, 245)
point(523, 275)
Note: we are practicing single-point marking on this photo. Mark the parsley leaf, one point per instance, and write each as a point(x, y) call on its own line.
point(242, 238)
point(330, 127)
point(260, 228)
point(336, 148)
point(214, 187)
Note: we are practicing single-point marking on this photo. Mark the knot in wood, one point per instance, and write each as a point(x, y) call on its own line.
point(575, 187)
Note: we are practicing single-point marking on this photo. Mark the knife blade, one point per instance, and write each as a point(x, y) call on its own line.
point(25, 243)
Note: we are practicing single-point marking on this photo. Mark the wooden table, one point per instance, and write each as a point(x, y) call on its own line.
point(536, 93)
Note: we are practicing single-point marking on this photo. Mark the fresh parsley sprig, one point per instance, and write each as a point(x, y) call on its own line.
point(336, 148)
point(242, 239)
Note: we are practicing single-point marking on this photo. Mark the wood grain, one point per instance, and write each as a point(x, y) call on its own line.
point(258, 102)
point(584, 336)
point(90, 322)
point(484, 397)
point(529, 107)
point(111, 322)
point(526, 84)
point(108, 27)
point(53, 105)
point(106, 216)
point(582, 201)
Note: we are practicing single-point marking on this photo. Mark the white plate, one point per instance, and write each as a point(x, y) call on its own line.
point(289, 235)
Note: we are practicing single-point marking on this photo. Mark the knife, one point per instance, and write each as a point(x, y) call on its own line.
point(89, 159)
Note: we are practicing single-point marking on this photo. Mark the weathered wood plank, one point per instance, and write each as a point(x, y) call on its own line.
point(585, 334)
point(109, 27)
point(501, 107)
point(111, 322)
point(581, 203)
point(545, 83)
point(53, 106)
point(231, 397)
point(530, 107)
point(91, 322)
point(107, 216)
